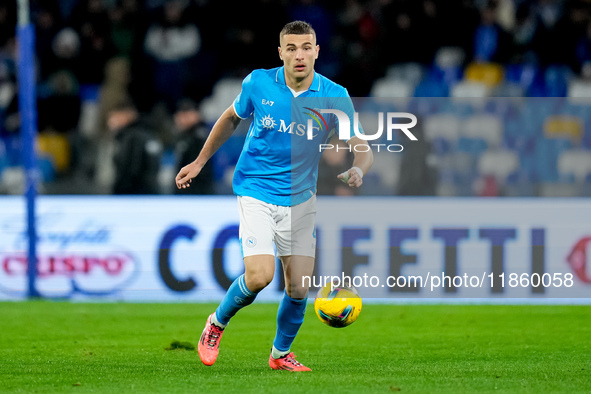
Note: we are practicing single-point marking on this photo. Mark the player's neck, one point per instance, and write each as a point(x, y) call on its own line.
point(299, 85)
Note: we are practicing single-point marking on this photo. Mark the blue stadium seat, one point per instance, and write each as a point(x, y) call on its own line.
point(46, 168)
point(556, 80)
point(472, 146)
point(546, 157)
point(431, 87)
point(12, 144)
point(519, 184)
point(440, 146)
point(523, 75)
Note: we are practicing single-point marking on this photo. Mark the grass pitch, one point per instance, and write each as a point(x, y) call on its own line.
point(115, 348)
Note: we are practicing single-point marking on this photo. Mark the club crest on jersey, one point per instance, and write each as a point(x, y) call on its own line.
point(268, 122)
point(251, 242)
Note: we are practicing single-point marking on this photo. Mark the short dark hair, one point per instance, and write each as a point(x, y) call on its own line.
point(297, 27)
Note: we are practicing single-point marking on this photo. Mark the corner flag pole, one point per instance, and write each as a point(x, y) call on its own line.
point(28, 112)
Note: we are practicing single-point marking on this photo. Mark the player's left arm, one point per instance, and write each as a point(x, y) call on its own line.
point(361, 164)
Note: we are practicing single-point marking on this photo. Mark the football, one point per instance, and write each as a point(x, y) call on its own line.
point(337, 306)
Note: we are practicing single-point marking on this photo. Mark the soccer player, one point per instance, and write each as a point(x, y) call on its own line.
point(275, 181)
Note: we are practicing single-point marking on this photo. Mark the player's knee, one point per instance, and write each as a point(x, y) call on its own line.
point(296, 292)
point(258, 281)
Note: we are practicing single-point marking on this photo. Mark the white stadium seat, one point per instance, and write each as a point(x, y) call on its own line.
point(498, 162)
point(443, 126)
point(469, 90)
point(484, 126)
point(386, 87)
point(576, 162)
point(224, 93)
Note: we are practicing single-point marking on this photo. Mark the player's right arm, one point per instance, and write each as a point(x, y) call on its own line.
point(221, 131)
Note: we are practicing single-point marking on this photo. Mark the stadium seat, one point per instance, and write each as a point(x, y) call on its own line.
point(46, 167)
point(386, 174)
point(56, 147)
point(412, 73)
point(446, 185)
point(508, 89)
point(556, 80)
point(485, 127)
point(440, 146)
point(12, 180)
point(561, 126)
point(449, 58)
point(523, 75)
point(447, 69)
point(386, 87)
point(579, 91)
point(431, 87)
point(519, 184)
point(490, 74)
point(470, 90)
point(442, 126)
point(472, 146)
point(224, 93)
point(499, 163)
point(546, 154)
point(576, 163)
point(12, 145)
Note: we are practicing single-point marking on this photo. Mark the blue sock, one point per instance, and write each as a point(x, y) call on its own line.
point(290, 317)
point(237, 297)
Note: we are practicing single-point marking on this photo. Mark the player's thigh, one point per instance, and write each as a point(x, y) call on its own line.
point(257, 227)
point(296, 233)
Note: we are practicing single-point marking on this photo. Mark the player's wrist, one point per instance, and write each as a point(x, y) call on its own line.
point(359, 171)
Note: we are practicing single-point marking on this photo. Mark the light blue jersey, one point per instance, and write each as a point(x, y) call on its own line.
point(278, 163)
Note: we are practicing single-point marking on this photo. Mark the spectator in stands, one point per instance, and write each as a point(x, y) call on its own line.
point(114, 88)
point(59, 102)
point(583, 49)
point(58, 92)
point(7, 21)
point(47, 25)
point(191, 135)
point(171, 44)
point(124, 17)
point(491, 42)
point(65, 54)
point(137, 153)
point(525, 36)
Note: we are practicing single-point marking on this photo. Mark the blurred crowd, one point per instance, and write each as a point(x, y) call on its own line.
point(120, 83)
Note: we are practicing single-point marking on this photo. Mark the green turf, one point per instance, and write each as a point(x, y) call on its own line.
point(117, 348)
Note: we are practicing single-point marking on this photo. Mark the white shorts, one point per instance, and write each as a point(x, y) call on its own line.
point(291, 229)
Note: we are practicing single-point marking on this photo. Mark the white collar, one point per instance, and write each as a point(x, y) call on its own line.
point(296, 94)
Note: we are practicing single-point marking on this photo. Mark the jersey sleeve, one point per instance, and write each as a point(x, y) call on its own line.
point(344, 103)
point(243, 103)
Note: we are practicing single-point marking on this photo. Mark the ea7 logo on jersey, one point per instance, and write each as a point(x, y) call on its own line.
point(268, 102)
